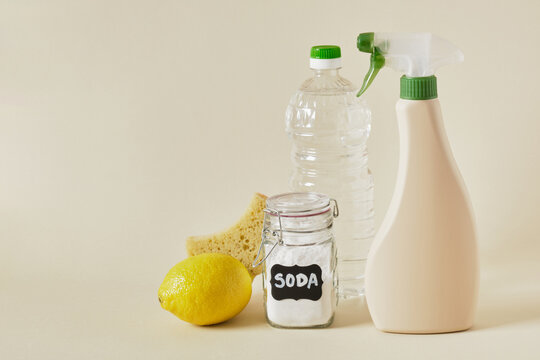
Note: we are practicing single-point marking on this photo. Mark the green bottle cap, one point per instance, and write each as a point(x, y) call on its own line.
point(325, 52)
point(418, 88)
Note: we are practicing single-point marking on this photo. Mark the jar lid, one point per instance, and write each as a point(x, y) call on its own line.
point(299, 204)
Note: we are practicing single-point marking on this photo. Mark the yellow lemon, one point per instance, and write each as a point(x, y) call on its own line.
point(206, 289)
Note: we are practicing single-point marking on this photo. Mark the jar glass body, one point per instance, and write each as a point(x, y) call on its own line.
point(299, 274)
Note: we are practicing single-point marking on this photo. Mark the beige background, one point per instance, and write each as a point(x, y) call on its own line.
point(126, 126)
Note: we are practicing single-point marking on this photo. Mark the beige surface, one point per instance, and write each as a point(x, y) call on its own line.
point(127, 126)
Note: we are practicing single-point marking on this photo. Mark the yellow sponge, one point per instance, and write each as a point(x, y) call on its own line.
point(240, 241)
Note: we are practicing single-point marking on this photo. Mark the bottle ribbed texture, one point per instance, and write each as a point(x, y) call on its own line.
point(418, 88)
point(329, 127)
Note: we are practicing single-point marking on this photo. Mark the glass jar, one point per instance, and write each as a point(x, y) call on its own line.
point(299, 255)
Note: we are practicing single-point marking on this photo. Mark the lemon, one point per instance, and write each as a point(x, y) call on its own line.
point(206, 289)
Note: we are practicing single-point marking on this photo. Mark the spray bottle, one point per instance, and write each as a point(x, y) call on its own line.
point(422, 269)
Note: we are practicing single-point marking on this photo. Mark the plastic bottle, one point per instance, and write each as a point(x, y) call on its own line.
point(329, 127)
point(422, 271)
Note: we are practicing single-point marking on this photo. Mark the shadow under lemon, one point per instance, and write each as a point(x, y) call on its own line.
point(252, 315)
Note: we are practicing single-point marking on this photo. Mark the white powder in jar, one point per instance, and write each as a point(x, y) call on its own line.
point(302, 312)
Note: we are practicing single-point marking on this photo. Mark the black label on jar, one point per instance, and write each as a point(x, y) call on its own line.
point(296, 282)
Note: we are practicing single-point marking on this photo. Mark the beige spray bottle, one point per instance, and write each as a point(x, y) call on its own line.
point(422, 270)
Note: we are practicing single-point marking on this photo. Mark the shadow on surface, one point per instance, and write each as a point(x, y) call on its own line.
point(510, 287)
point(507, 311)
point(351, 312)
point(252, 315)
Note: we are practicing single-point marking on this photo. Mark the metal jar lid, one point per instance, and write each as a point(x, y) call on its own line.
point(300, 204)
point(291, 212)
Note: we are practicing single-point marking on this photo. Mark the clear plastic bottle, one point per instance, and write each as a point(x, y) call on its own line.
point(329, 128)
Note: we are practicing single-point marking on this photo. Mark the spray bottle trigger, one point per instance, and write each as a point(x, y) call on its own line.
point(376, 63)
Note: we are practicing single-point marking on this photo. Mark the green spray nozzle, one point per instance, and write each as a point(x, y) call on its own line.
point(365, 43)
point(416, 55)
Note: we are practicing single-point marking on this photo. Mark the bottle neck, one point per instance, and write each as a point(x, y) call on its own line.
point(326, 72)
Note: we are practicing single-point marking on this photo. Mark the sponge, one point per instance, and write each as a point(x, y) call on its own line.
point(241, 240)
